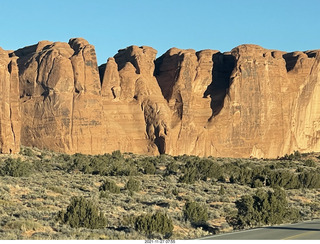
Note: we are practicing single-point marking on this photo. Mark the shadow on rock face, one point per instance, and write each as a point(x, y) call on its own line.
point(223, 65)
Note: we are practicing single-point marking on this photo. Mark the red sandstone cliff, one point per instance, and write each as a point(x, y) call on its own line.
point(248, 102)
point(10, 120)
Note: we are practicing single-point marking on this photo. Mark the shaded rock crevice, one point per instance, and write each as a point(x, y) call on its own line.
point(223, 65)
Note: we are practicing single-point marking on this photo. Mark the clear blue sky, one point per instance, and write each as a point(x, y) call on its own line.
point(110, 25)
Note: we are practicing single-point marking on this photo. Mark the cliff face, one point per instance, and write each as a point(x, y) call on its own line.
point(9, 104)
point(60, 96)
point(248, 102)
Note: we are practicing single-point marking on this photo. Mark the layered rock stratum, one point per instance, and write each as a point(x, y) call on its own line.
point(250, 102)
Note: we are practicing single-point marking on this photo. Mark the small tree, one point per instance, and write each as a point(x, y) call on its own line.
point(82, 213)
point(155, 223)
point(133, 185)
point(16, 168)
point(196, 213)
point(110, 186)
point(263, 208)
point(149, 168)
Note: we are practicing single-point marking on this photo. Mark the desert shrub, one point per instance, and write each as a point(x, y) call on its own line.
point(290, 180)
point(175, 191)
point(263, 208)
point(103, 194)
point(82, 213)
point(309, 179)
point(200, 169)
point(283, 178)
point(117, 154)
point(110, 186)
point(24, 225)
point(26, 152)
point(56, 189)
point(296, 155)
point(122, 167)
point(106, 165)
point(147, 165)
point(243, 176)
point(256, 183)
point(149, 168)
point(133, 185)
point(222, 190)
point(80, 162)
point(196, 213)
point(16, 168)
point(172, 168)
point(209, 169)
point(154, 223)
point(190, 176)
point(310, 163)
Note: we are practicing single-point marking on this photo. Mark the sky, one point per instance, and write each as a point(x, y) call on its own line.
point(110, 25)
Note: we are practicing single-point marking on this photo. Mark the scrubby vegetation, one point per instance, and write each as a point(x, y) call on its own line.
point(46, 195)
point(152, 224)
point(82, 213)
point(263, 208)
point(196, 213)
point(16, 168)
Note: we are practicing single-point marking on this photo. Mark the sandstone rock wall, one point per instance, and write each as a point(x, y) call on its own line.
point(247, 102)
point(10, 121)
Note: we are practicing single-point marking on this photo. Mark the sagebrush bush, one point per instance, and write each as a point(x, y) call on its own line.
point(82, 213)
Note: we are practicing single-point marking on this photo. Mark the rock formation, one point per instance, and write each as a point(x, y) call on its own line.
point(9, 104)
point(247, 102)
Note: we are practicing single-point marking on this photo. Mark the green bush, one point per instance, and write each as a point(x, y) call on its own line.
point(105, 165)
point(200, 169)
point(117, 154)
point(82, 213)
point(172, 168)
point(110, 186)
point(16, 168)
point(196, 213)
point(263, 208)
point(149, 168)
point(27, 152)
point(222, 191)
point(310, 163)
point(309, 179)
point(283, 178)
point(155, 223)
point(190, 176)
point(208, 169)
point(293, 156)
point(257, 183)
point(133, 185)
